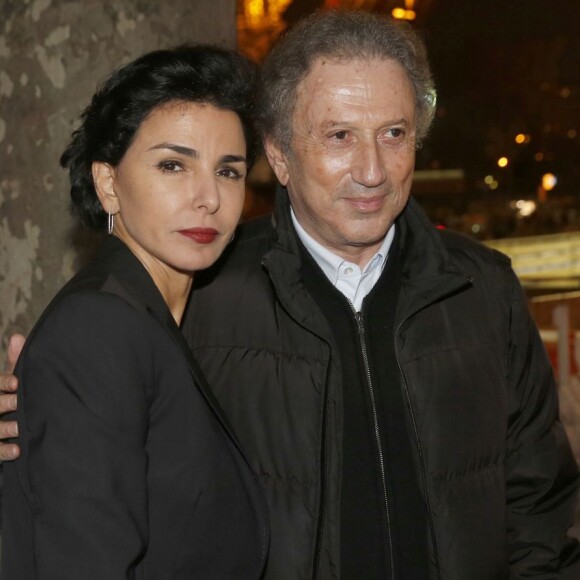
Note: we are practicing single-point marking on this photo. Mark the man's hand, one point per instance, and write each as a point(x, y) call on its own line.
point(8, 387)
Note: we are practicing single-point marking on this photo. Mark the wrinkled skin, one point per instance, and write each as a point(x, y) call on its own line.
point(350, 165)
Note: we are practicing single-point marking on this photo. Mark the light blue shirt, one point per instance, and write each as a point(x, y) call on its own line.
point(352, 281)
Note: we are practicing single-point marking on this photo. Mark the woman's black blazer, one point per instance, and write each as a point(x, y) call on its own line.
point(129, 468)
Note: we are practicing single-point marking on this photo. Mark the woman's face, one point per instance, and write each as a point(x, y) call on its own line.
point(178, 192)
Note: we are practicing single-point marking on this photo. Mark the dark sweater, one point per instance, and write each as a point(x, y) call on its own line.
point(370, 533)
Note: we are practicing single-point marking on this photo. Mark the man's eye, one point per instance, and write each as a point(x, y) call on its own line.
point(170, 166)
point(341, 135)
point(396, 132)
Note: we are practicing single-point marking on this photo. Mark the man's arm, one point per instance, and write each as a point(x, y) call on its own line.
point(8, 387)
point(542, 476)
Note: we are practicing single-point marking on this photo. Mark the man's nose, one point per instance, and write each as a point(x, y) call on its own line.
point(368, 166)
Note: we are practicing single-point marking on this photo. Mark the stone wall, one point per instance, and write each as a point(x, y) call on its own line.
point(53, 53)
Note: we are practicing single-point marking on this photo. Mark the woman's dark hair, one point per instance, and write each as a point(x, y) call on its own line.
point(201, 74)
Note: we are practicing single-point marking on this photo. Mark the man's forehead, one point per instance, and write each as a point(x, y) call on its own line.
point(336, 76)
point(354, 82)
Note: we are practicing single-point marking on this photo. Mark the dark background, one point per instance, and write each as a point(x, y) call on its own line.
point(501, 68)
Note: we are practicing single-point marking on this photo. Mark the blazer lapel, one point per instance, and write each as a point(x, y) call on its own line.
point(132, 275)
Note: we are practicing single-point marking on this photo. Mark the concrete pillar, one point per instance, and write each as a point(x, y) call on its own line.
point(53, 53)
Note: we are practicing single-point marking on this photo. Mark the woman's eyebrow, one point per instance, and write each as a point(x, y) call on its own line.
point(181, 149)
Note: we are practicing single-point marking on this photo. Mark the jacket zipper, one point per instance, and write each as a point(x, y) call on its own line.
point(322, 505)
point(361, 330)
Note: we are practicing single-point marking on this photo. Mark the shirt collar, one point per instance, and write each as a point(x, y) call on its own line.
point(330, 263)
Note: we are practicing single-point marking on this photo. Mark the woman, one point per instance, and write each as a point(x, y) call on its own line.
point(128, 467)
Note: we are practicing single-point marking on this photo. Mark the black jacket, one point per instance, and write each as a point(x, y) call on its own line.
point(128, 468)
point(496, 472)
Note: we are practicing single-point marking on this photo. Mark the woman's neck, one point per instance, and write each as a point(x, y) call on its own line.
point(174, 285)
point(176, 298)
point(175, 288)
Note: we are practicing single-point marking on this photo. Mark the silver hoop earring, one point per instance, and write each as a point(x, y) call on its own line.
point(110, 224)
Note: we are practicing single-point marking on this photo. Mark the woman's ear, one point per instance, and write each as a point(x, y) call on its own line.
point(277, 160)
point(104, 180)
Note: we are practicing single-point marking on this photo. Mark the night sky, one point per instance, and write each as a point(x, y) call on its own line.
point(501, 68)
point(504, 67)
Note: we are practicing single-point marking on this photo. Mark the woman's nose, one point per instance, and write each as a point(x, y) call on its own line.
point(206, 195)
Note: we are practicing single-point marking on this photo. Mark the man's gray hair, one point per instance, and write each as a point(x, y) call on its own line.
point(344, 36)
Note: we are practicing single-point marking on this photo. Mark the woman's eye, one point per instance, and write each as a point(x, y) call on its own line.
point(230, 173)
point(171, 166)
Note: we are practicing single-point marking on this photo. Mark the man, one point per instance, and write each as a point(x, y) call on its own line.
point(385, 378)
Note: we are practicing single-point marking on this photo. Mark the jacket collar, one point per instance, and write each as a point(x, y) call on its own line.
point(283, 263)
point(429, 271)
point(126, 268)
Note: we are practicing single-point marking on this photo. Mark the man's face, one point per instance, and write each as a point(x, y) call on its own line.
point(350, 166)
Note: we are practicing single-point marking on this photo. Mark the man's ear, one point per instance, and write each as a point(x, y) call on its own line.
point(104, 180)
point(277, 160)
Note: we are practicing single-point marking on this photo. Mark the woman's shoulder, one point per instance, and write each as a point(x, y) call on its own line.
point(95, 305)
point(94, 347)
point(88, 318)
point(107, 306)
point(93, 337)
point(101, 290)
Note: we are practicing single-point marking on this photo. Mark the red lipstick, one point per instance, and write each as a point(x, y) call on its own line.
point(200, 235)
